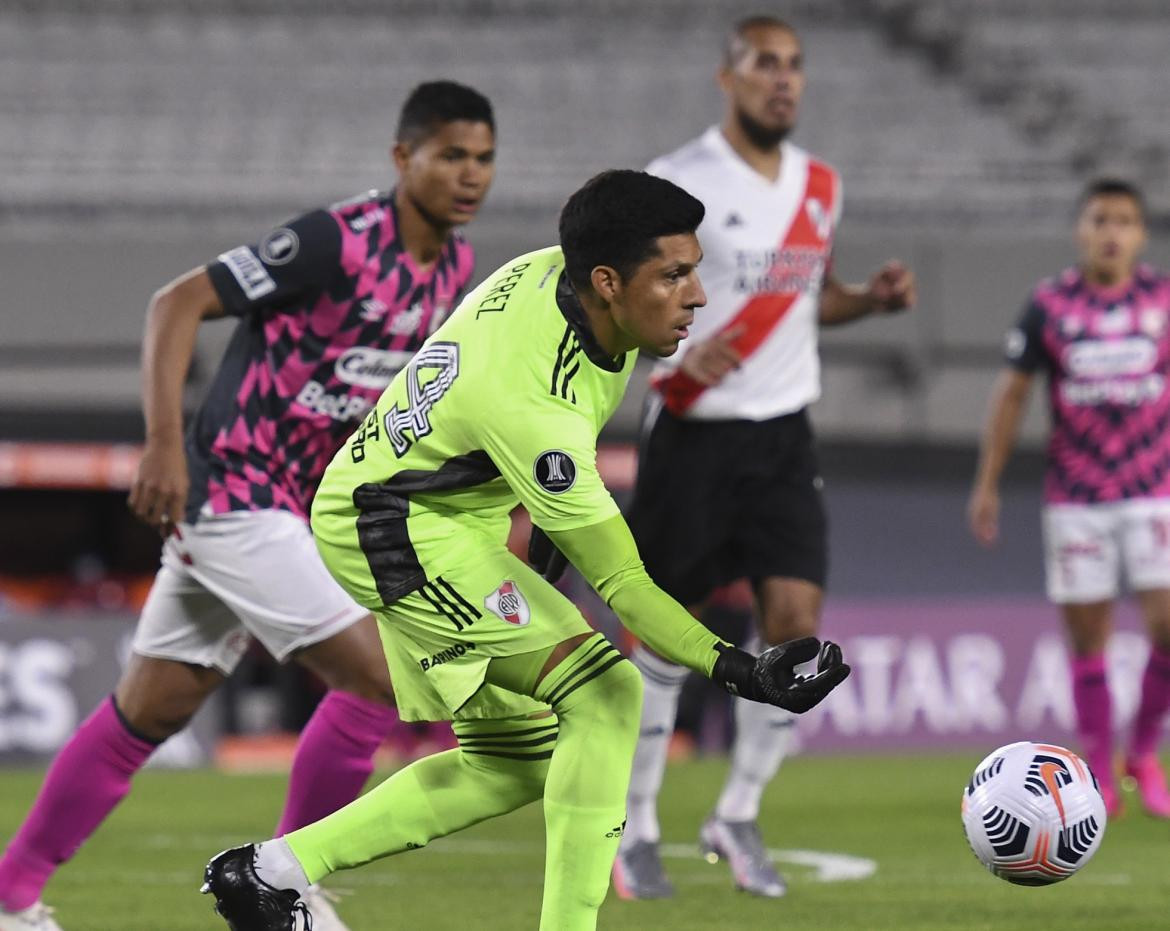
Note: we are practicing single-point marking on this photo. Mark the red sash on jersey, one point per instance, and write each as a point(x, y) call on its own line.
point(763, 312)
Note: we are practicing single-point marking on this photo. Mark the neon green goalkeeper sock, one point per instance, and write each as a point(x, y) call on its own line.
point(500, 765)
point(597, 696)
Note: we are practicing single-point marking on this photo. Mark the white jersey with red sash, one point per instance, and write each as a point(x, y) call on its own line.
point(766, 248)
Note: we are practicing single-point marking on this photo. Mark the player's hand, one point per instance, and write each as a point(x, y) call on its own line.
point(709, 361)
point(770, 677)
point(983, 515)
point(158, 494)
point(544, 557)
point(892, 288)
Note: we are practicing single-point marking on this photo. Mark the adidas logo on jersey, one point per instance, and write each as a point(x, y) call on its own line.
point(733, 219)
point(407, 320)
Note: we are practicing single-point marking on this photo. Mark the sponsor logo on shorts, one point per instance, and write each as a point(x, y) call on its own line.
point(508, 604)
point(617, 831)
point(555, 471)
point(249, 273)
point(280, 246)
point(445, 656)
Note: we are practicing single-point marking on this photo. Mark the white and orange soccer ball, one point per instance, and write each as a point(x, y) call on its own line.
point(1033, 813)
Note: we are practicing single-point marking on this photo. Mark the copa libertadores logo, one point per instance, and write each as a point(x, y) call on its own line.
point(555, 471)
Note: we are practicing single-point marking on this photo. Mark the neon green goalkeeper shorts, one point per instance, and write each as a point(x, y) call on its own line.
point(440, 638)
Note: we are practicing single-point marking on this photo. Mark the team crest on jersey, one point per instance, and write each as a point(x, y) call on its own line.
point(280, 246)
point(555, 471)
point(1152, 322)
point(508, 604)
point(819, 216)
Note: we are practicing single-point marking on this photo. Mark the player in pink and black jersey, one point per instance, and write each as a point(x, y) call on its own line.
point(1101, 333)
point(330, 305)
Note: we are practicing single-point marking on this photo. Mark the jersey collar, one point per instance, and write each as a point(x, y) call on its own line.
point(570, 307)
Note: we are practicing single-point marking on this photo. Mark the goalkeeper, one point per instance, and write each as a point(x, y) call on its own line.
point(501, 405)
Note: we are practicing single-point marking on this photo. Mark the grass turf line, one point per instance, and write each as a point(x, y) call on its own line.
point(141, 870)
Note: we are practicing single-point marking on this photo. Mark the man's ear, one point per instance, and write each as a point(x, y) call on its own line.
point(606, 282)
point(400, 154)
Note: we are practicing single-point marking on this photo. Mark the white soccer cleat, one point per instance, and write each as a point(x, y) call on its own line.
point(738, 842)
point(37, 917)
point(320, 904)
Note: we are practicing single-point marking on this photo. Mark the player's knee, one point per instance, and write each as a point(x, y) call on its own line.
point(789, 624)
point(618, 697)
point(156, 720)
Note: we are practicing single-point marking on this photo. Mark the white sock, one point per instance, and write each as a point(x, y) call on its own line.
point(662, 681)
point(763, 736)
point(276, 865)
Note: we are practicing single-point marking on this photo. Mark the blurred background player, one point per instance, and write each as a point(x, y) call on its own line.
point(1099, 332)
point(331, 305)
point(728, 484)
point(503, 407)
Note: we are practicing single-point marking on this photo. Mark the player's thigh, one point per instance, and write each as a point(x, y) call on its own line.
point(440, 640)
point(1082, 553)
point(1145, 543)
point(682, 513)
point(782, 524)
point(184, 622)
point(266, 568)
point(351, 660)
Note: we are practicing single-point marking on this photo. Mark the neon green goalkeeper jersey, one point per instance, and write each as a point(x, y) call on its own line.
point(501, 405)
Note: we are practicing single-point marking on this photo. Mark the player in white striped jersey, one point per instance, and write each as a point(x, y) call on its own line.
point(727, 432)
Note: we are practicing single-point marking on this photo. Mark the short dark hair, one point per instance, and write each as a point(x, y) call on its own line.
point(1112, 187)
point(734, 43)
point(436, 103)
point(614, 219)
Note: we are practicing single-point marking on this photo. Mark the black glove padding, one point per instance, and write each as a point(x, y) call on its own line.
point(769, 677)
point(544, 557)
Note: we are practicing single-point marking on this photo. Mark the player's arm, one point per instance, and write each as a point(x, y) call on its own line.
point(158, 493)
point(1009, 401)
point(1024, 352)
point(302, 254)
point(891, 288)
point(607, 557)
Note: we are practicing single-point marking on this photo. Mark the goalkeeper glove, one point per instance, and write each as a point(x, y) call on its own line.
point(769, 677)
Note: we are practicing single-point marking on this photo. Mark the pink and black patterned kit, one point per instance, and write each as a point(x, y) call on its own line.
point(1107, 356)
point(332, 306)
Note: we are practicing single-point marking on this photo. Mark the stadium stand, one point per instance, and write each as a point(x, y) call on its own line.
point(141, 137)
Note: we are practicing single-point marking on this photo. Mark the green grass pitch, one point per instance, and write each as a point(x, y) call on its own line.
point(140, 872)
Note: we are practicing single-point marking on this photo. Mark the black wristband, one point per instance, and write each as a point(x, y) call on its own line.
point(734, 671)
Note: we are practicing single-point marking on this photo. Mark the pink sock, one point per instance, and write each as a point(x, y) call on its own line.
point(89, 776)
point(1152, 708)
point(1094, 713)
point(334, 757)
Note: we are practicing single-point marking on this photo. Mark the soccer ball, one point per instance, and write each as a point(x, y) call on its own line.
point(1033, 813)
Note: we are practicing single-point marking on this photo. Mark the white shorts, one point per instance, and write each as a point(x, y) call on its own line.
point(231, 575)
point(1087, 547)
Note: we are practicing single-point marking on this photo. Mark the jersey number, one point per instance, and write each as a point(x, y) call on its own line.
point(439, 362)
